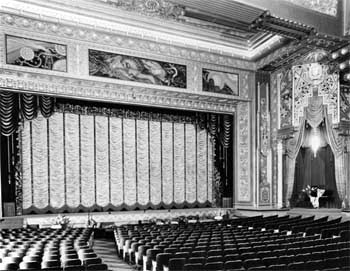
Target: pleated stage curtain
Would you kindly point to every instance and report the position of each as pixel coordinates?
(74, 162)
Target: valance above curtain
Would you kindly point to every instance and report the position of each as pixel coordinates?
(15, 106)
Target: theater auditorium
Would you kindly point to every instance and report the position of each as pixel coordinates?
(174, 135)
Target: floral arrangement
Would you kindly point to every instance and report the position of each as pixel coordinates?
(61, 220)
(310, 191)
(314, 194)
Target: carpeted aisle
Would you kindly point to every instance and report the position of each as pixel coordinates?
(106, 250)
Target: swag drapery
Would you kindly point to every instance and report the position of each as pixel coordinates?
(314, 115)
(16, 106)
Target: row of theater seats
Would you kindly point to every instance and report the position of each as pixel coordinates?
(48, 249)
(237, 244)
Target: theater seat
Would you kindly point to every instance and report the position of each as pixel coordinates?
(215, 266)
(97, 267)
(8, 266)
(177, 264)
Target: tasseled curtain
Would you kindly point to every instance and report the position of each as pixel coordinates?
(16, 106)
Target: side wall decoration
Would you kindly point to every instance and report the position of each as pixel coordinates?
(310, 79)
(36, 54)
(220, 82)
(285, 90)
(131, 68)
(345, 104)
(80, 159)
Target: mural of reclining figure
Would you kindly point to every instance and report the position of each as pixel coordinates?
(129, 68)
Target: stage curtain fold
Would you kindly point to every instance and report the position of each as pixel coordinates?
(102, 161)
(72, 157)
(116, 161)
(202, 166)
(210, 153)
(142, 161)
(179, 163)
(87, 141)
(190, 164)
(129, 162)
(167, 162)
(57, 171)
(40, 162)
(26, 165)
(155, 163)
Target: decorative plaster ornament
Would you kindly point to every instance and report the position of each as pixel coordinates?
(315, 73)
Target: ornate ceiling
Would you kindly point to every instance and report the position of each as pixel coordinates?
(182, 22)
(226, 27)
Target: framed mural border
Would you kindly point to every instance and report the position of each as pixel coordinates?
(145, 54)
(45, 40)
(216, 69)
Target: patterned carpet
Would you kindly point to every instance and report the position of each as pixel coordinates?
(105, 249)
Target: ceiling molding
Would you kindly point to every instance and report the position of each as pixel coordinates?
(176, 30)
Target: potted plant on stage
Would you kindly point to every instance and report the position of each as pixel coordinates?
(61, 222)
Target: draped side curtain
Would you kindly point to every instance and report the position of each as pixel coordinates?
(14, 106)
(314, 115)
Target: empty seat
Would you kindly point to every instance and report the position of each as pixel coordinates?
(177, 264)
(162, 259)
(72, 262)
(216, 266)
(74, 268)
(216, 252)
(252, 263)
(50, 264)
(314, 265)
(296, 266)
(97, 267)
(198, 253)
(193, 266)
(8, 266)
(200, 260)
(29, 265)
(278, 267)
(270, 261)
(238, 264)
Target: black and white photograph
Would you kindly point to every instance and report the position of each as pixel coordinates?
(174, 135)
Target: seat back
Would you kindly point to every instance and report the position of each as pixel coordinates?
(177, 264)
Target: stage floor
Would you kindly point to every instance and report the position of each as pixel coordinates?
(132, 217)
(123, 217)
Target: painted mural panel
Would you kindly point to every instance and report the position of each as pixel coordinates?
(131, 68)
(36, 54)
(345, 104)
(220, 82)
